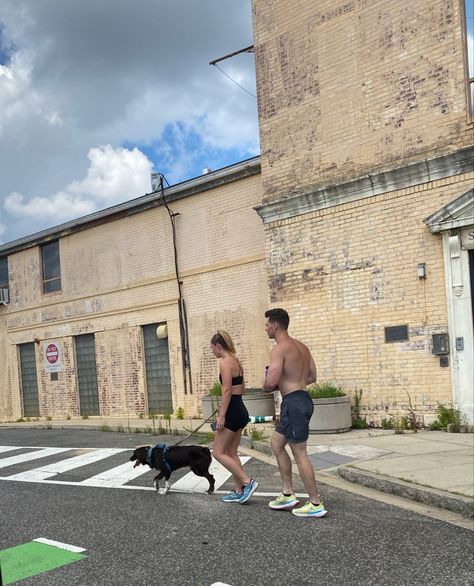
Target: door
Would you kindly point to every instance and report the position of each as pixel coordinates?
(157, 368)
(87, 374)
(29, 380)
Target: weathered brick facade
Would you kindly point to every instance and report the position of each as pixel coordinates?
(365, 132)
(120, 275)
(366, 172)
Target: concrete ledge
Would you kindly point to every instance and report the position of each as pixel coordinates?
(429, 496)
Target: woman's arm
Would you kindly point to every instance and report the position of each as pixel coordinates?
(225, 367)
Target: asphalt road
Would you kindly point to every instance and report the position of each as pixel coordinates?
(137, 537)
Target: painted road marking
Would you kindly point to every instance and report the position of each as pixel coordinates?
(192, 483)
(66, 465)
(9, 448)
(115, 477)
(42, 453)
(35, 557)
(59, 544)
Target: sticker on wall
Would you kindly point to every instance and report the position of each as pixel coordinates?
(52, 357)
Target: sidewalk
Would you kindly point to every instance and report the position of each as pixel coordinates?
(433, 467)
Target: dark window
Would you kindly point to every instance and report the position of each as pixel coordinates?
(4, 273)
(469, 12)
(396, 333)
(4, 291)
(51, 267)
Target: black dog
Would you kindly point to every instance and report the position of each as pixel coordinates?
(166, 460)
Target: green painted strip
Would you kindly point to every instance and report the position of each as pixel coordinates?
(33, 558)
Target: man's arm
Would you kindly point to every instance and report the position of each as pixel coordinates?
(275, 369)
(312, 374)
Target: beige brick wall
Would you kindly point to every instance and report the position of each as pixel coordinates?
(347, 272)
(119, 276)
(351, 87)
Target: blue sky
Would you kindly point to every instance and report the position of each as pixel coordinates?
(97, 95)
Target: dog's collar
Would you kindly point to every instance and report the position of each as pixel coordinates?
(149, 452)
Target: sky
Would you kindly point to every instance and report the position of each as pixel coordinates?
(95, 96)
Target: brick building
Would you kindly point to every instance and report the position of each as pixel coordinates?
(92, 326)
(366, 134)
(364, 190)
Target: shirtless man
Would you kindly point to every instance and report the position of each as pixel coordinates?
(291, 368)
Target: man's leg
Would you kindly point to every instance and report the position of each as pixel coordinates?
(278, 443)
(305, 468)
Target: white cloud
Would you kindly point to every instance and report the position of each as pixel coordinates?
(74, 75)
(114, 175)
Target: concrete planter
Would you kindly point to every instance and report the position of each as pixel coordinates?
(258, 403)
(209, 405)
(331, 415)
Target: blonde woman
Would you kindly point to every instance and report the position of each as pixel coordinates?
(232, 418)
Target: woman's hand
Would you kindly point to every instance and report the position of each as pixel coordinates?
(220, 422)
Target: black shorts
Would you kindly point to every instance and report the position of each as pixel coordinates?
(295, 413)
(236, 416)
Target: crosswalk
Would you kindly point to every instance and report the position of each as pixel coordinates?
(97, 467)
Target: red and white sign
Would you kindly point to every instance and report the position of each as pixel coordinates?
(52, 357)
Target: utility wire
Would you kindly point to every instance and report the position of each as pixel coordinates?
(233, 80)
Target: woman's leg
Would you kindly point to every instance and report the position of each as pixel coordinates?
(225, 452)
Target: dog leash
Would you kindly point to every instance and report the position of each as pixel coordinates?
(197, 429)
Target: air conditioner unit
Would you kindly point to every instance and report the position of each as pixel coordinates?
(4, 296)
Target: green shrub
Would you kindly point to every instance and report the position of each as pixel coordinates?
(447, 416)
(325, 390)
(179, 413)
(215, 390)
(387, 423)
(256, 434)
(359, 423)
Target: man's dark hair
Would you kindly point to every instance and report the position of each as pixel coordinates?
(279, 316)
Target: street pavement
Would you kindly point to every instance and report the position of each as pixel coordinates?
(135, 536)
(431, 467)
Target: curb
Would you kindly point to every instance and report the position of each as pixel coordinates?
(428, 496)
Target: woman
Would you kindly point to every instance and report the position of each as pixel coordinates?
(232, 418)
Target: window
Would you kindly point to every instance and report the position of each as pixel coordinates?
(51, 267)
(4, 296)
(469, 12)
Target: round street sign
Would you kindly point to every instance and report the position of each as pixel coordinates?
(52, 353)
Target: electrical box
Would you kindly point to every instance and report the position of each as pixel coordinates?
(459, 344)
(440, 344)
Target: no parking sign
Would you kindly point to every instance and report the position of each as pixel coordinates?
(51, 357)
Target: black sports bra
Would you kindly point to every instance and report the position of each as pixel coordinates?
(236, 380)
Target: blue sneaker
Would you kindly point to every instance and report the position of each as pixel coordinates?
(232, 497)
(247, 491)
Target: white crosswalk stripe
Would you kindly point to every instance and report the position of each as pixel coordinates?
(41, 453)
(66, 465)
(116, 477)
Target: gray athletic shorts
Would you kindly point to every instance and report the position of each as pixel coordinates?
(295, 413)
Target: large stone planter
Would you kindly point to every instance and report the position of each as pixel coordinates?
(258, 403)
(209, 405)
(331, 415)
